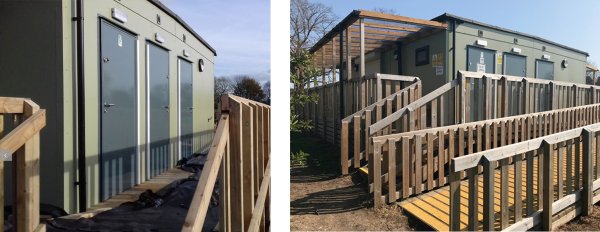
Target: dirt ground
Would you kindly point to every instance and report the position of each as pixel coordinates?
(321, 199)
(587, 223)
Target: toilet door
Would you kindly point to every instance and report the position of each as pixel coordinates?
(118, 110)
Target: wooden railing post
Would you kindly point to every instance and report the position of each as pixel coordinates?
(525, 97)
(376, 174)
(344, 148)
(587, 171)
(504, 96)
(548, 186)
(487, 98)
(454, 179)
(463, 96)
(27, 180)
(356, 142)
(488, 195)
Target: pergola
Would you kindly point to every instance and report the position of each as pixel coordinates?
(362, 32)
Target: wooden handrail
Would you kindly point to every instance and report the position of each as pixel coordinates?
(438, 146)
(259, 206)
(22, 144)
(199, 205)
(239, 158)
(572, 197)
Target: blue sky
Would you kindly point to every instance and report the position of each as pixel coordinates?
(571, 23)
(238, 29)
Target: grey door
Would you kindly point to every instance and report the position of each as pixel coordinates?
(118, 110)
(186, 107)
(158, 67)
(480, 60)
(515, 65)
(544, 70)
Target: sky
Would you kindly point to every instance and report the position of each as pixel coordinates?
(571, 23)
(238, 29)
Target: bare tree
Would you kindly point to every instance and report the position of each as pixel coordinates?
(223, 85)
(385, 10)
(308, 23)
(267, 90)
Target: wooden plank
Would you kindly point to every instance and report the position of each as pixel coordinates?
(367, 135)
(405, 168)
(454, 212)
(559, 169)
(473, 199)
(587, 155)
(261, 200)
(441, 159)
(344, 148)
(376, 163)
(356, 140)
(194, 219)
(392, 170)
(530, 185)
(247, 162)
(434, 117)
(548, 199)
(22, 133)
(237, 184)
(397, 18)
(11, 105)
(418, 164)
(430, 168)
(518, 203)
(488, 195)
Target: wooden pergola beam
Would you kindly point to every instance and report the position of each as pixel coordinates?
(398, 18)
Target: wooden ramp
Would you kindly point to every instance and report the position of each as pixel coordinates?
(433, 208)
(155, 184)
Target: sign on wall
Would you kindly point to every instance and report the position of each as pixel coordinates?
(437, 62)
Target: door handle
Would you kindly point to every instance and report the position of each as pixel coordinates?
(107, 105)
(166, 107)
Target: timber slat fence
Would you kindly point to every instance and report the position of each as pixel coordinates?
(477, 96)
(21, 141)
(240, 159)
(358, 94)
(561, 195)
(413, 162)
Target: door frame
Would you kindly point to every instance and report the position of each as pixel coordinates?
(137, 172)
(179, 59)
(513, 54)
(148, 126)
(491, 50)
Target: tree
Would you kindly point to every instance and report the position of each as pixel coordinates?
(247, 87)
(223, 85)
(267, 90)
(308, 23)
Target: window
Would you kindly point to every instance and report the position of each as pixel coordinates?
(422, 56)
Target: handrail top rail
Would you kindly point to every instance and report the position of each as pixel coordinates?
(507, 151)
(245, 101)
(448, 86)
(410, 134)
(382, 76)
(372, 106)
(479, 75)
(16, 138)
(412, 106)
(12, 105)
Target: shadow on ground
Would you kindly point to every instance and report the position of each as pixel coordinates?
(321, 160)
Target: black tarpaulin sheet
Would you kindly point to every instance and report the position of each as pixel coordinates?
(143, 215)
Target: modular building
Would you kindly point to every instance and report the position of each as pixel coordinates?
(127, 85)
(434, 50)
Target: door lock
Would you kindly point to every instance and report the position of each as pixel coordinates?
(106, 60)
(166, 107)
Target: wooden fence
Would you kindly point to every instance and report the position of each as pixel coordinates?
(412, 162)
(20, 140)
(480, 96)
(358, 94)
(564, 189)
(240, 159)
(354, 127)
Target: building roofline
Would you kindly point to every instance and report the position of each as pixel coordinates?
(183, 23)
(446, 16)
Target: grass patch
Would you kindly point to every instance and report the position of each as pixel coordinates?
(309, 151)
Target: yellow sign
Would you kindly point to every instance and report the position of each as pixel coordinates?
(499, 58)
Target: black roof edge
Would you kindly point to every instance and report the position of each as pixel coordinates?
(348, 19)
(183, 23)
(446, 16)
